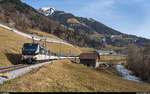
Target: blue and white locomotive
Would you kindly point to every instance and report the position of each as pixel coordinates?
(34, 52)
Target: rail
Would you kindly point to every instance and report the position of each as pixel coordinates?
(11, 68)
(19, 66)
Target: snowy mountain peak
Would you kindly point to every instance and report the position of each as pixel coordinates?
(47, 11)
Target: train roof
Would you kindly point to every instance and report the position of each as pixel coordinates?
(32, 43)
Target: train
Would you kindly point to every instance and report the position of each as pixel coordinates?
(34, 52)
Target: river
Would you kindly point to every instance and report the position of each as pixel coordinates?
(127, 74)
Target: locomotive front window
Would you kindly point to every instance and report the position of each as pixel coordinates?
(30, 47)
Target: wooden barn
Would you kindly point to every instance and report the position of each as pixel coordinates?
(90, 59)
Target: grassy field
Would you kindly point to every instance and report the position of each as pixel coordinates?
(44, 34)
(110, 47)
(85, 50)
(114, 59)
(62, 75)
(63, 49)
(65, 76)
(56, 47)
(11, 45)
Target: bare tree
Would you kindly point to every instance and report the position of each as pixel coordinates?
(139, 61)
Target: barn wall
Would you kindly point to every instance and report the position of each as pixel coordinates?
(97, 63)
(88, 62)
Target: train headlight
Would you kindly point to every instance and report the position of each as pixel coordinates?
(34, 57)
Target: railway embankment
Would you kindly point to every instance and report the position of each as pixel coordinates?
(11, 46)
(16, 71)
(65, 76)
(36, 37)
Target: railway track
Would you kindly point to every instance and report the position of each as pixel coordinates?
(11, 68)
(19, 66)
(9, 73)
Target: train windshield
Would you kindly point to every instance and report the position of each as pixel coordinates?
(30, 47)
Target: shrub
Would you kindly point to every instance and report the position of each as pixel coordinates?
(139, 61)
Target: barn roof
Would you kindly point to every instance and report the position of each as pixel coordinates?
(105, 51)
(89, 56)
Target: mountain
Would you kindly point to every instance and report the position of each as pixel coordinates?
(23, 17)
(47, 11)
(95, 29)
(84, 32)
(88, 25)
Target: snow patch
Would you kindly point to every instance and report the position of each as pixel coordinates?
(47, 11)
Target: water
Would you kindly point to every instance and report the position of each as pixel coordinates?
(127, 74)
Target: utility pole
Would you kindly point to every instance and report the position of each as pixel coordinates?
(70, 51)
(45, 42)
(60, 49)
(33, 39)
(43, 39)
(75, 60)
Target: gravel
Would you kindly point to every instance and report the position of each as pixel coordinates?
(19, 72)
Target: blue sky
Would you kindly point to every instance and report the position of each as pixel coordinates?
(127, 16)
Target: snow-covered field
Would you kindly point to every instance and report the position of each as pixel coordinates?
(35, 36)
(127, 74)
